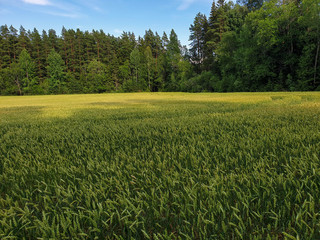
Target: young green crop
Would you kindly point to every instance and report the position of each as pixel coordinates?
(160, 166)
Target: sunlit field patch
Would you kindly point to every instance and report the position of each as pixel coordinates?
(160, 166)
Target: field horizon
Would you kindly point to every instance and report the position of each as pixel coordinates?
(79, 100)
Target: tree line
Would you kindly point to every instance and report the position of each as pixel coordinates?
(257, 46)
(248, 46)
(89, 62)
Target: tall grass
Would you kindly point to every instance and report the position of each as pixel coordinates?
(160, 166)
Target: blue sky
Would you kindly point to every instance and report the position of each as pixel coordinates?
(112, 16)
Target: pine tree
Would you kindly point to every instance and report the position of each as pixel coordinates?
(174, 44)
(53, 40)
(80, 55)
(198, 31)
(5, 47)
(36, 52)
(173, 56)
(64, 55)
(98, 41)
(149, 65)
(46, 46)
(217, 25)
(89, 46)
(164, 41)
(23, 40)
(127, 42)
(13, 41)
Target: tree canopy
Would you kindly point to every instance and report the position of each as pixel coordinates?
(248, 46)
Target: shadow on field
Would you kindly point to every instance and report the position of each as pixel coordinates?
(211, 106)
(156, 109)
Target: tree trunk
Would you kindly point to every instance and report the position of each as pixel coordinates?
(198, 49)
(157, 61)
(79, 46)
(27, 79)
(316, 63)
(18, 84)
(149, 79)
(72, 55)
(136, 75)
(98, 50)
(39, 66)
(14, 53)
(9, 55)
(65, 52)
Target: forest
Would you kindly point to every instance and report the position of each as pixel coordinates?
(248, 46)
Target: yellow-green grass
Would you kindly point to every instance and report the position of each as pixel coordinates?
(66, 105)
(160, 166)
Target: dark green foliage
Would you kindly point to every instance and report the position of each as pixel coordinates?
(200, 83)
(128, 65)
(275, 47)
(26, 67)
(198, 31)
(253, 45)
(56, 72)
(252, 5)
(5, 47)
(97, 79)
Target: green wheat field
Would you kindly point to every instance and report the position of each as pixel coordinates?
(160, 166)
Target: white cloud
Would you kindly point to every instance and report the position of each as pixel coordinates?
(37, 2)
(185, 4)
(97, 9)
(4, 11)
(67, 15)
(58, 8)
(93, 4)
(118, 31)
